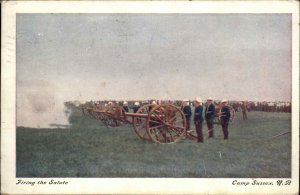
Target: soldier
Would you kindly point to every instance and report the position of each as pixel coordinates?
(225, 116)
(125, 106)
(187, 112)
(136, 107)
(153, 104)
(198, 119)
(244, 109)
(209, 116)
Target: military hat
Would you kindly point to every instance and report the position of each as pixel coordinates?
(223, 101)
(185, 100)
(137, 103)
(198, 99)
(210, 98)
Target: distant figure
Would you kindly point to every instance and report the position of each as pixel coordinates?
(145, 102)
(186, 109)
(209, 116)
(136, 107)
(244, 110)
(198, 119)
(153, 104)
(225, 117)
(110, 104)
(125, 106)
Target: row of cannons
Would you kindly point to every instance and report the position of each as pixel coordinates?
(163, 123)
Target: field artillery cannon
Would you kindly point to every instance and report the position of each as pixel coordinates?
(163, 123)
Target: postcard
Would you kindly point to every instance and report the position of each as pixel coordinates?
(142, 97)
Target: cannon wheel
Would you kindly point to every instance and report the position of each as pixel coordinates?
(140, 124)
(98, 115)
(166, 124)
(112, 115)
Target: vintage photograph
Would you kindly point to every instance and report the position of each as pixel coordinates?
(153, 95)
(134, 97)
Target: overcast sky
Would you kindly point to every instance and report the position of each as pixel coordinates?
(144, 56)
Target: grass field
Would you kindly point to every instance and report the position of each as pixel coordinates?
(89, 149)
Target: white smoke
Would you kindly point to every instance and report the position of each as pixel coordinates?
(40, 105)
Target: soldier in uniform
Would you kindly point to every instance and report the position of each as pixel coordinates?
(244, 109)
(153, 104)
(209, 116)
(125, 106)
(186, 109)
(198, 118)
(136, 107)
(225, 116)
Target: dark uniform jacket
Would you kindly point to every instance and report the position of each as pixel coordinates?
(187, 111)
(210, 112)
(225, 114)
(126, 108)
(135, 108)
(198, 113)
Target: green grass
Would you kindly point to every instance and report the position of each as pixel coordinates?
(89, 149)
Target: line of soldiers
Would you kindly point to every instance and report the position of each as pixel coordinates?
(262, 106)
(136, 106)
(271, 106)
(239, 106)
(209, 116)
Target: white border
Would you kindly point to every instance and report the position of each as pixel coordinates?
(130, 185)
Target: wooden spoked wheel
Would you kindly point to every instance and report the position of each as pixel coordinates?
(99, 116)
(166, 124)
(112, 116)
(140, 123)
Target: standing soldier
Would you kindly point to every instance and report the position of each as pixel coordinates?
(244, 109)
(209, 116)
(125, 106)
(187, 112)
(225, 116)
(153, 104)
(198, 118)
(136, 107)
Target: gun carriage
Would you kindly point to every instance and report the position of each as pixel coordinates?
(163, 123)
